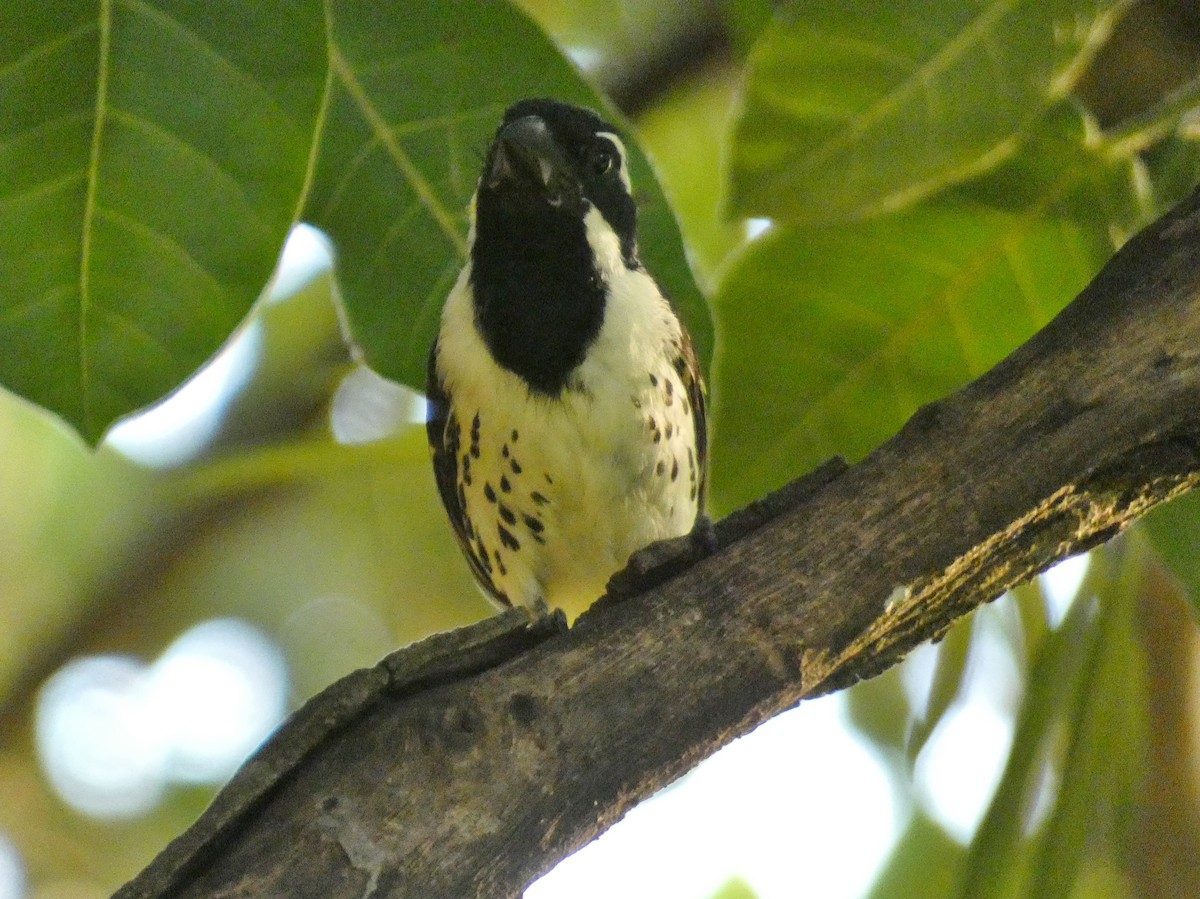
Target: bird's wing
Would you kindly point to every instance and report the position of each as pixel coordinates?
(688, 368)
(445, 443)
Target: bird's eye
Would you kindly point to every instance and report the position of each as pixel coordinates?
(602, 160)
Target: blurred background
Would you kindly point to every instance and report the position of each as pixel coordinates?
(168, 597)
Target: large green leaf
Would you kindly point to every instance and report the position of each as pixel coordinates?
(151, 156)
(413, 106)
(154, 154)
(832, 338)
(857, 108)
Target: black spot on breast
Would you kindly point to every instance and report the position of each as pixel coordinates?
(507, 514)
(653, 380)
(515, 435)
(674, 469)
(504, 451)
(516, 466)
(661, 467)
(532, 523)
(549, 480)
(538, 498)
(475, 436)
(507, 539)
(505, 486)
(670, 430)
(500, 563)
(670, 388)
(489, 492)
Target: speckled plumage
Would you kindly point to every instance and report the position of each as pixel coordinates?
(566, 416)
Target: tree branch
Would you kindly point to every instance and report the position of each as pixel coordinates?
(469, 764)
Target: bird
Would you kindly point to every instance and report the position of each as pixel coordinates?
(565, 403)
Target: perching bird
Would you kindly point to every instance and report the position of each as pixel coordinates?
(566, 407)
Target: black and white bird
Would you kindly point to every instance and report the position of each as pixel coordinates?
(566, 406)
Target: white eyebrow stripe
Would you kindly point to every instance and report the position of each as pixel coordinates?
(620, 145)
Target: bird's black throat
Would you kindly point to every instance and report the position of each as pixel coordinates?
(539, 300)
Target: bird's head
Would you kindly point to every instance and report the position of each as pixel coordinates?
(549, 165)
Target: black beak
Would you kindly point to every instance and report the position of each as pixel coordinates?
(525, 152)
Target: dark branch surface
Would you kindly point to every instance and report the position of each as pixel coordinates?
(469, 764)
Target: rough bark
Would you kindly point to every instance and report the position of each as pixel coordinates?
(469, 764)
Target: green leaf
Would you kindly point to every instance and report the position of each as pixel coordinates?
(921, 864)
(879, 709)
(1067, 169)
(66, 513)
(151, 157)
(1106, 756)
(684, 132)
(855, 109)
(413, 106)
(1168, 137)
(952, 655)
(998, 856)
(1174, 165)
(1174, 531)
(154, 155)
(833, 338)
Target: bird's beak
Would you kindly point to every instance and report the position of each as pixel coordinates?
(525, 152)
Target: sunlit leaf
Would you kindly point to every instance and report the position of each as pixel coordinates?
(412, 110)
(151, 156)
(833, 338)
(853, 109)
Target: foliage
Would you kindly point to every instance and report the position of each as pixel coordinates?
(938, 186)
(156, 156)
